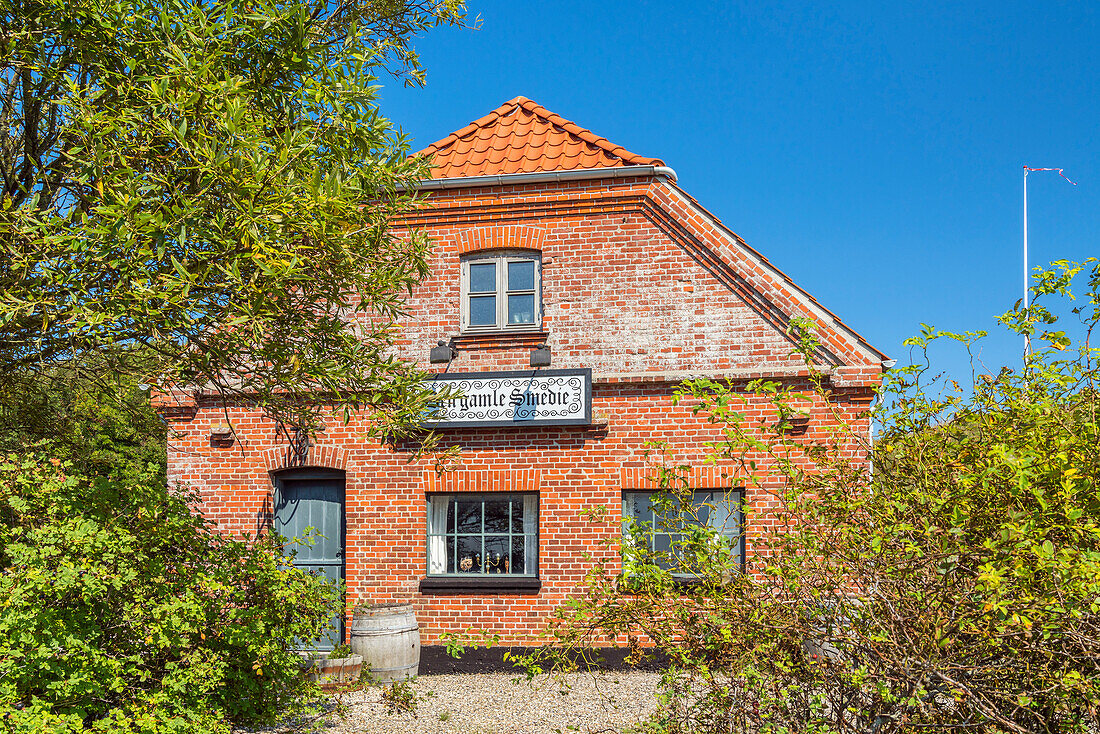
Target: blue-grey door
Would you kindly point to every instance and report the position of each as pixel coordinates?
(309, 513)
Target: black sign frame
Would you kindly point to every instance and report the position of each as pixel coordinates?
(585, 373)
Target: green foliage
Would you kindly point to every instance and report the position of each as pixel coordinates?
(81, 412)
(213, 182)
(340, 651)
(954, 588)
(195, 195)
(123, 611)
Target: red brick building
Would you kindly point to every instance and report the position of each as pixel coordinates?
(551, 244)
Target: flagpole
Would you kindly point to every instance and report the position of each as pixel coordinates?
(1027, 280)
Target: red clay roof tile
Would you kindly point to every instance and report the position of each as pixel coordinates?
(521, 136)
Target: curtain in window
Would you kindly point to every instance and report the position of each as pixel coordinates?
(530, 532)
(437, 526)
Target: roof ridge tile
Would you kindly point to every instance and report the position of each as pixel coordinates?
(547, 140)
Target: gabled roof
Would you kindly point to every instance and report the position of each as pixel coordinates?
(521, 136)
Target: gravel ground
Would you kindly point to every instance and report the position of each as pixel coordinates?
(491, 703)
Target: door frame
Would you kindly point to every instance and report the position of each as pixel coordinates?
(280, 478)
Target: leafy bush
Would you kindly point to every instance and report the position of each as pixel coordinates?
(954, 588)
(124, 611)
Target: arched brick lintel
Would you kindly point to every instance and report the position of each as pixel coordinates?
(710, 476)
(320, 457)
(506, 237)
(500, 480)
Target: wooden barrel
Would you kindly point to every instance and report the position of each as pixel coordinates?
(388, 638)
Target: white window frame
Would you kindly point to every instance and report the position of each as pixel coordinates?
(501, 258)
(736, 517)
(440, 566)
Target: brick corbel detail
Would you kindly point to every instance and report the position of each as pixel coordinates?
(320, 457)
(504, 480)
(510, 237)
(696, 477)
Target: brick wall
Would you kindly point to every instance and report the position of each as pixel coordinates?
(572, 468)
(640, 285)
(636, 278)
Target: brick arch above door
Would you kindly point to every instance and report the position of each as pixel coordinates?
(321, 457)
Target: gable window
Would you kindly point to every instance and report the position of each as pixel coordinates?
(660, 521)
(490, 534)
(501, 291)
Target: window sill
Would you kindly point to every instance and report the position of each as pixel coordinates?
(499, 339)
(479, 585)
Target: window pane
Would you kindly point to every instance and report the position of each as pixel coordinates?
(662, 543)
(517, 516)
(521, 276)
(451, 555)
(496, 554)
(518, 556)
(640, 510)
(521, 309)
(668, 547)
(483, 277)
(450, 517)
(483, 310)
(469, 516)
(669, 513)
(724, 516)
(496, 516)
(703, 507)
(469, 554)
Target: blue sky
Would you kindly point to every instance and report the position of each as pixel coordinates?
(872, 151)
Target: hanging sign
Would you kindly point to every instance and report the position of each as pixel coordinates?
(526, 398)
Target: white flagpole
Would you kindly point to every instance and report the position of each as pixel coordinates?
(1027, 276)
(1027, 280)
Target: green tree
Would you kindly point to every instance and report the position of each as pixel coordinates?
(194, 195)
(210, 183)
(954, 588)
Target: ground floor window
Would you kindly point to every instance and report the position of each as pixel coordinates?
(662, 520)
(483, 534)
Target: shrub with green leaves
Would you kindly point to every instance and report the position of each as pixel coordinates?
(123, 611)
(956, 587)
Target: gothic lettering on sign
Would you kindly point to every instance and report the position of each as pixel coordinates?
(528, 398)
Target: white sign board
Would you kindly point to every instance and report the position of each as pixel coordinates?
(533, 398)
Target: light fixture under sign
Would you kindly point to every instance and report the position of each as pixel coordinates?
(540, 356)
(442, 353)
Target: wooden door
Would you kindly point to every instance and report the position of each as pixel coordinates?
(309, 513)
